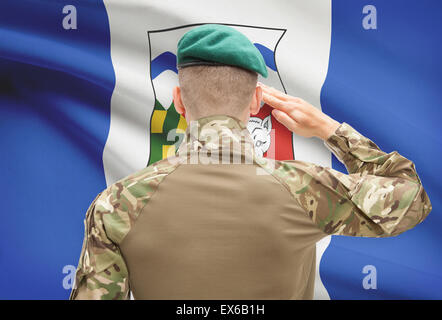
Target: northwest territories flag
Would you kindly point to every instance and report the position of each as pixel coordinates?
(85, 100)
(163, 74)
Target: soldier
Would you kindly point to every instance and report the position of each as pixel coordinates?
(192, 226)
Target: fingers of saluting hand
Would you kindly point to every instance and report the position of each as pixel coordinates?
(285, 119)
(274, 92)
(276, 103)
(278, 94)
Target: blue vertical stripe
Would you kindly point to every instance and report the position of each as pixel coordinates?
(55, 90)
(386, 83)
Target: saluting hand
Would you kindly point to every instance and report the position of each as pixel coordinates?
(298, 115)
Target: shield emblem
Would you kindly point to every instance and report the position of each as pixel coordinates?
(271, 138)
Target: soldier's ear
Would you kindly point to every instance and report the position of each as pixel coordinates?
(177, 102)
(255, 104)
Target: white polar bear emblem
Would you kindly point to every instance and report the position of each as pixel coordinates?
(260, 131)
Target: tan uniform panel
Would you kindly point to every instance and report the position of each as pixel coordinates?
(221, 232)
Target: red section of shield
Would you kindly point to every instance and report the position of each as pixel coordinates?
(282, 137)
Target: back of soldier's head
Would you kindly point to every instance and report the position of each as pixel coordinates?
(208, 90)
(218, 68)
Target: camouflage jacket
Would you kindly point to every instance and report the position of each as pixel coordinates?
(381, 196)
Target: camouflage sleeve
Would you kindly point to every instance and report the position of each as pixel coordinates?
(101, 272)
(381, 196)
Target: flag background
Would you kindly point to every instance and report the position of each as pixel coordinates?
(56, 93)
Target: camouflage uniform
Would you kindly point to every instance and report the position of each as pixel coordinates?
(208, 242)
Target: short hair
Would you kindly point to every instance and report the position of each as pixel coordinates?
(210, 90)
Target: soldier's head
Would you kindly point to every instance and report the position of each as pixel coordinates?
(218, 70)
(210, 90)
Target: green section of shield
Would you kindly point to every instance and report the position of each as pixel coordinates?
(158, 140)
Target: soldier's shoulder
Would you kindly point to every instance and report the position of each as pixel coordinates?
(154, 171)
(139, 185)
(120, 203)
(287, 167)
(298, 175)
(296, 170)
(282, 170)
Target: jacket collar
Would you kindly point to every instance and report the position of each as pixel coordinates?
(218, 136)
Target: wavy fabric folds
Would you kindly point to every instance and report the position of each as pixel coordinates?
(56, 87)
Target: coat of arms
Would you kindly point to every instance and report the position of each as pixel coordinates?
(271, 138)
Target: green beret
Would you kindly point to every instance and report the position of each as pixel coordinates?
(215, 44)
